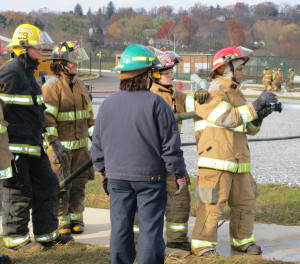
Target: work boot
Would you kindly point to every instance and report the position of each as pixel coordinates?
(61, 240)
(64, 230)
(205, 252)
(249, 248)
(29, 247)
(4, 259)
(77, 228)
(180, 245)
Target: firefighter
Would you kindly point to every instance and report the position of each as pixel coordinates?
(136, 156)
(33, 186)
(267, 79)
(224, 158)
(291, 80)
(276, 78)
(69, 121)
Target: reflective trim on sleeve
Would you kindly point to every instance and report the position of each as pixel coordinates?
(223, 165)
(51, 109)
(75, 144)
(47, 237)
(52, 131)
(21, 99)
(91, 130)
(90, 106)
(12, 242)
(6, 173)
(71, 116)
(200, 125)
(75, 217)
(3, 128)
(252, 127)
(136, 229)
(180, 128)
(240, 242)
(25, 149)
(190, 103)
(245, 113)
(176, 227)
(218, 111)
(241, 128)
(195, 243)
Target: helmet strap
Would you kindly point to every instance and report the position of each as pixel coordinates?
(150, 75)
(232, 70)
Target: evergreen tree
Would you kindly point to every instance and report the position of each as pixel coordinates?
(78, 10)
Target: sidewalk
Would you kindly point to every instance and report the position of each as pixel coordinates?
(277, 242)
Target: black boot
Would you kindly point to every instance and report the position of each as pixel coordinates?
(180, 245)
(4, 259)
(61, 240)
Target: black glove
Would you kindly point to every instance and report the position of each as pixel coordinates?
(264, 99)
(104, 183)
(58, 150)
(262, 113)
(201, 95)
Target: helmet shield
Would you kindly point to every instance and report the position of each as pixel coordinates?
(45, 39)
(78, 55)
(164, 59)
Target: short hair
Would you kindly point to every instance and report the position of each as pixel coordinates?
(137, 83)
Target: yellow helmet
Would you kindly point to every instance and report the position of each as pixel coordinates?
(27, 35)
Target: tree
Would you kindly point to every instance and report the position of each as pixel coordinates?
(235, 33)
(89, 12)
(110, 9)
(78, 10)
(159, 20)
(137, 26)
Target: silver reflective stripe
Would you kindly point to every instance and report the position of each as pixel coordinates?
(200, 125)
(91, 130)
(202, 243)
(3, 128)
(176, 227)
(179, 128)
(136, 229)
(76, 144)
(51, 109)
(48, 237)
(241, 128)
(71, 116)
(21, 99)
(15, 241)
(245, 113)
(6, 173)
(25, 149)
(76, 216)
(240, 242)
(190, 103)
(224, 165)
(218, 111)
(52, 131)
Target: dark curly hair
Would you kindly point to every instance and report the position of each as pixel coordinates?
(137, 83)
(58, 66)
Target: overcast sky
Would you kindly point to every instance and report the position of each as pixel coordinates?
(67, 5)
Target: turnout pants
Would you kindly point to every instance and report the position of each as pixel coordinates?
(71, 197)
(33, 186)
(149, 198)
(215, 188)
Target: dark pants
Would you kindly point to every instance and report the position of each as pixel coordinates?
(33, 186)
(149, 198)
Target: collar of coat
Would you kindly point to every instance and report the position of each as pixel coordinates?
(227, 83)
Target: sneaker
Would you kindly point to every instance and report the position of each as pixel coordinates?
(180, 245)
(61, 240)
(77, 228)
(29, 247)
(64, 230)
(4, 259)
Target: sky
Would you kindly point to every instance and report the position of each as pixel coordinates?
(68, 5)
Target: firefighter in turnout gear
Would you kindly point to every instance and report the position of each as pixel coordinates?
(291, 80)
(267, 79)
(69, 122)
(224, 158)
(33, 185)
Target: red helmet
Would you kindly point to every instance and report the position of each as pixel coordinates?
(279, 69)
(228, 54)
(164, 59)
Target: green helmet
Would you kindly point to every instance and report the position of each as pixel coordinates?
(135, 57)
(68, 51)
(291, 69)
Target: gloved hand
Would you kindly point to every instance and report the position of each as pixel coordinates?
(103, 180)
(181, 185)
(58, 150)
(201, 95)
(262, 113)
(264, 99)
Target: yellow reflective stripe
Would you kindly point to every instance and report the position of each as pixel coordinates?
(195, 243)
(6, 173)
(240, 242)
(75, 144)
(223, 165)
(218, 111)
(51, 109)
(241, 128)
(21, 99)
(47, 237)
(142, 58)
(136, 229)
(190, 103)
(76, 216)
(91, 130)
(25, 149)
(176, 227)
(71, 116)
(252, 127)
(3, 128)
(200, 125)
(52, 131)
(15, 241)
(245, 113)
(179, 128)
(64, 220)
(90, 106)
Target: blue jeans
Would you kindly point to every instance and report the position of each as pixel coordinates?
(149, 199)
